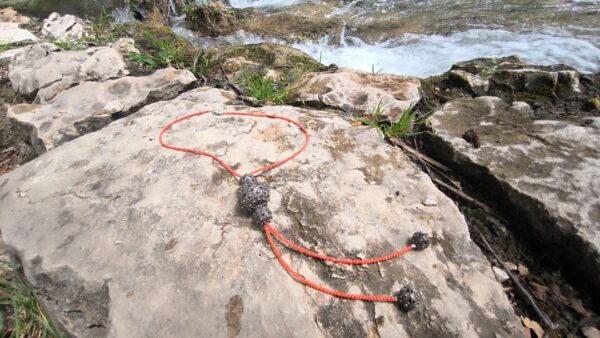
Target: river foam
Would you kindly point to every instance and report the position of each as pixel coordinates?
(425, 55)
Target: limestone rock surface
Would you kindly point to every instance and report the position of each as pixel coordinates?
(357, 92)
(8, 55)
(124, 46)
(90, 106)
(120, 237)
(8, 14)
(45, 71)
(11, 33)
(65, 27)
(547, 169)
(513, 75)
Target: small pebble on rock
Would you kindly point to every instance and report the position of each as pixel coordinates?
(511, 266)
(523, 270)
(501, 275)
(430, 202)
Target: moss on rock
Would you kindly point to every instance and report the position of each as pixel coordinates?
(290, 28)
(212, 19)
(284, 64)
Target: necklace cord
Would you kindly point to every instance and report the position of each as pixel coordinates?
(270, 232)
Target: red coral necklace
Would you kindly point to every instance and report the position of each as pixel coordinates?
(253, 198)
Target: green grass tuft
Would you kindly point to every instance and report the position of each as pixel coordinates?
(164, 52)
(406, 126)
(6, 46)
(263, 88)
(24, 317)
(104, 29)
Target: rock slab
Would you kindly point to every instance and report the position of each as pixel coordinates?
(65, 27)
(44, 70)
(512, 75)
(120, 237)
(90, 106)
(548, 170)
(11, 33)
(357, 92)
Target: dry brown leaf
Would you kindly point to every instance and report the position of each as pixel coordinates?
(523, 270)
(511, 266)
(591, 332)
(577, 305)
(596, 103)
(534, 326)
(539, 291)
(356, 123)
(558, 294)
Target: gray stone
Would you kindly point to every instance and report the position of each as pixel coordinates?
(513, 75)
(45, 70)
(124, 46)
(65, 27)
(357, 92)
(8, 55)
(150, 238)
(548, 171)
(8, 14)
(92, 105)
(474, 83)
(501, 275)
(282, 63)
(11, 33)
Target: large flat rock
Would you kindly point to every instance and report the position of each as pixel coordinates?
(90, 106)
(45, 71)
(121, 237)
(357, 92)
(548, 170)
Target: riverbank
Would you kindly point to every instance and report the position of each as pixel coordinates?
(267, 74)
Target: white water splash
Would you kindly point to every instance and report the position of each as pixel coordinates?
(122, 15)
(427, 55)
(262, 3)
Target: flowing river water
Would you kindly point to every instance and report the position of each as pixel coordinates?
(425, 37)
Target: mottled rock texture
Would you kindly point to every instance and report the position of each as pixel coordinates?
(513, 75)
(284, 64)
(547, 170)
(65, 27)
(90, 106)
(44, 71)
(11, 33)
(356, 92)
(120, 237)
(8, 14)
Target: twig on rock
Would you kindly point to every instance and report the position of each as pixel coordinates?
(418, 154)
(517, 283)
(250, 101)
(235, 88)
(468, 198)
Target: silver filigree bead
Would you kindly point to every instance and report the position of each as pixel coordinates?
(408, 298)
(253, 196)
(247, 179)
(420, 240)
(262, 215)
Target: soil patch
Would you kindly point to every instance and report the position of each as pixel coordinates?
(14, 151)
